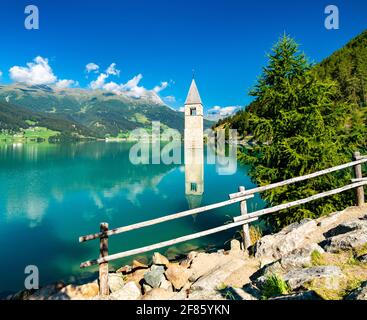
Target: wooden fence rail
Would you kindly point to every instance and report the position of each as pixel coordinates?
(243, 220)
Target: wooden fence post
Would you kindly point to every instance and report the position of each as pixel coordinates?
(358, 175)
(104, 289)
(245, 227)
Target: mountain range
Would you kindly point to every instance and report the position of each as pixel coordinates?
(89, 113)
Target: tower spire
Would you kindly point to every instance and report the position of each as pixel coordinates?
(193, 96)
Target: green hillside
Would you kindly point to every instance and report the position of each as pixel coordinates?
(16, 119)
(95, 113)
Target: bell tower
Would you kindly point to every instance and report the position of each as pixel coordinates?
(194, 124)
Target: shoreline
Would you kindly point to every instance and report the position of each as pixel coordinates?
(303, 258)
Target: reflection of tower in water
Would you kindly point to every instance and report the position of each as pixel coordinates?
(194, 176)
(194, 147)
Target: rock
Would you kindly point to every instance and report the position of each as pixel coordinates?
(21, 295)
(206, 295)
(158, 268)
(158, 294)
(181, 295)
(217, 276)
(328, 221)
(138, 265)
(346, 241)
(359, 293)
(220, 251)
(296, 278)
(235, 247)
(45, 292)
(303, 295)
(290, 238)
(165, 284)
(146, 288)
(137, 276)
(124, 269)
(204, 263)
(192, 255)
(356, 224)
(362, 258)
(300, 257)
(73, 292)
(155, 276)
(178, 275)
(130, 291)
(248, 292)
(159, 259)
(186, 263)
(115, 281)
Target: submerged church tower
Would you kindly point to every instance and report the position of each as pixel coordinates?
(194, 147)
(194, 123)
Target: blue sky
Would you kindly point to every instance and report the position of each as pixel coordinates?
(225, 41)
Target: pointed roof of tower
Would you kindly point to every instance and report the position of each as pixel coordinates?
(193, 96)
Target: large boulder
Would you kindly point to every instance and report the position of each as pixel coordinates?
(204, 263)
(130, 291)
(296, 259)
(74, 292)
(45, 292)
(159, 259)
(300, 257)
(247, 292)
(298, 277)
(137, 276)
(273, 247)
(178, 275)
(359, 293)
(154, 276)
(165, 284)
(216, 278)
(346, 241)
(115, 281)
(158, 294)
(139, 265)
(303, 295)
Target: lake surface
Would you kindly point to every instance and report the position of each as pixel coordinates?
(50, 194)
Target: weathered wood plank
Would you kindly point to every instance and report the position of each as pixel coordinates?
(245, 227)
(299, 202)
(165, 243)
(298, 179)
(164, 219)
(104, 289)
(358, 174)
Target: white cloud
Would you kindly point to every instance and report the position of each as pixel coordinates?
(35, 73)
(217, 112)
(66, 83)
(39, 72)
(161, 87)
(111, 70)
(131, 88)
(182, 109)
(92, 67)
(100, 82)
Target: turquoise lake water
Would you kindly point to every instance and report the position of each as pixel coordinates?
(50, 194)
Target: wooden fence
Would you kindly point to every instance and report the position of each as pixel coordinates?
(240, 221)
